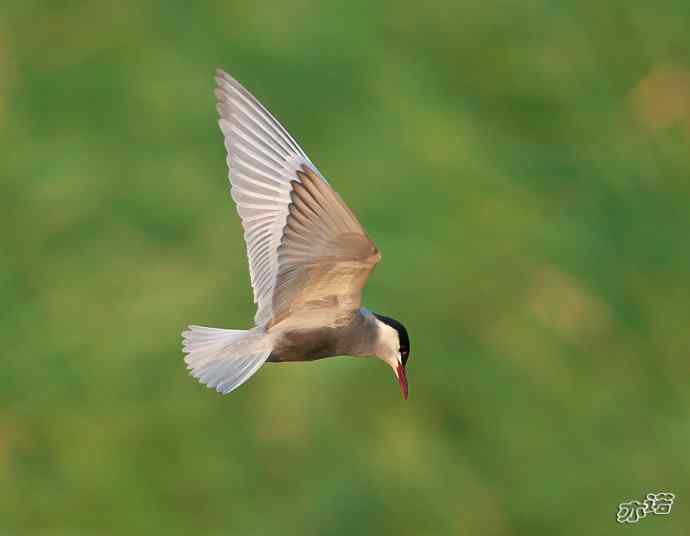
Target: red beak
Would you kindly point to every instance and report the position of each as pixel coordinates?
(402, 379)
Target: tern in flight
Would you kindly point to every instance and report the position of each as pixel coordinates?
(309, 259)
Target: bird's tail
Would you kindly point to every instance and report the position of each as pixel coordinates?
(224, 358)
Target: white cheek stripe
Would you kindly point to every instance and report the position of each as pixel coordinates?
(389, 344)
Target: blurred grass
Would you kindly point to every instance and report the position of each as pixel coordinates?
(524, 170)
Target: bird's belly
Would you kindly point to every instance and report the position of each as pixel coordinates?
(305, 345)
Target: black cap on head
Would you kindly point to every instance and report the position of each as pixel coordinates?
(402, 336)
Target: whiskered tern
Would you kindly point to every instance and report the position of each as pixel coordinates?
(309, 259)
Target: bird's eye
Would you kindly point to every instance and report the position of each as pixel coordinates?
(404, 354)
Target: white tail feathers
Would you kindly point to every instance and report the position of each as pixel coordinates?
(224, 358)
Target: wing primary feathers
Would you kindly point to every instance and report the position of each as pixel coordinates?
(303, 243)
(261, 112)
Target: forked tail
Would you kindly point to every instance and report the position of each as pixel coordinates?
(224, 358)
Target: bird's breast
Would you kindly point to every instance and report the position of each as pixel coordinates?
(306, 344)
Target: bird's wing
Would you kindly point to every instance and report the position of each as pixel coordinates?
(267, 168)
(325, 256)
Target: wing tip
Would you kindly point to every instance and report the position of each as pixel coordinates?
(220, 74)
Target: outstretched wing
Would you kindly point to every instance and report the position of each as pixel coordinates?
(262, 159)
(325, 257)
(319, 256)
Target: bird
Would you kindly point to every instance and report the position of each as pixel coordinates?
(309, 259)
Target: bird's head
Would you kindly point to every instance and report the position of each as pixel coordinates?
(393, 347)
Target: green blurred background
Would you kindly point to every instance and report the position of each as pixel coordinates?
(523, 166)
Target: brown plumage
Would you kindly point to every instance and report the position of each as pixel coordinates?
(309, 259)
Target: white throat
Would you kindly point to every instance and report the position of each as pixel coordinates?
(387, 344)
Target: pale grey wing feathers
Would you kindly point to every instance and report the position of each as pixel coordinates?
(262, 160)
(325, 257)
